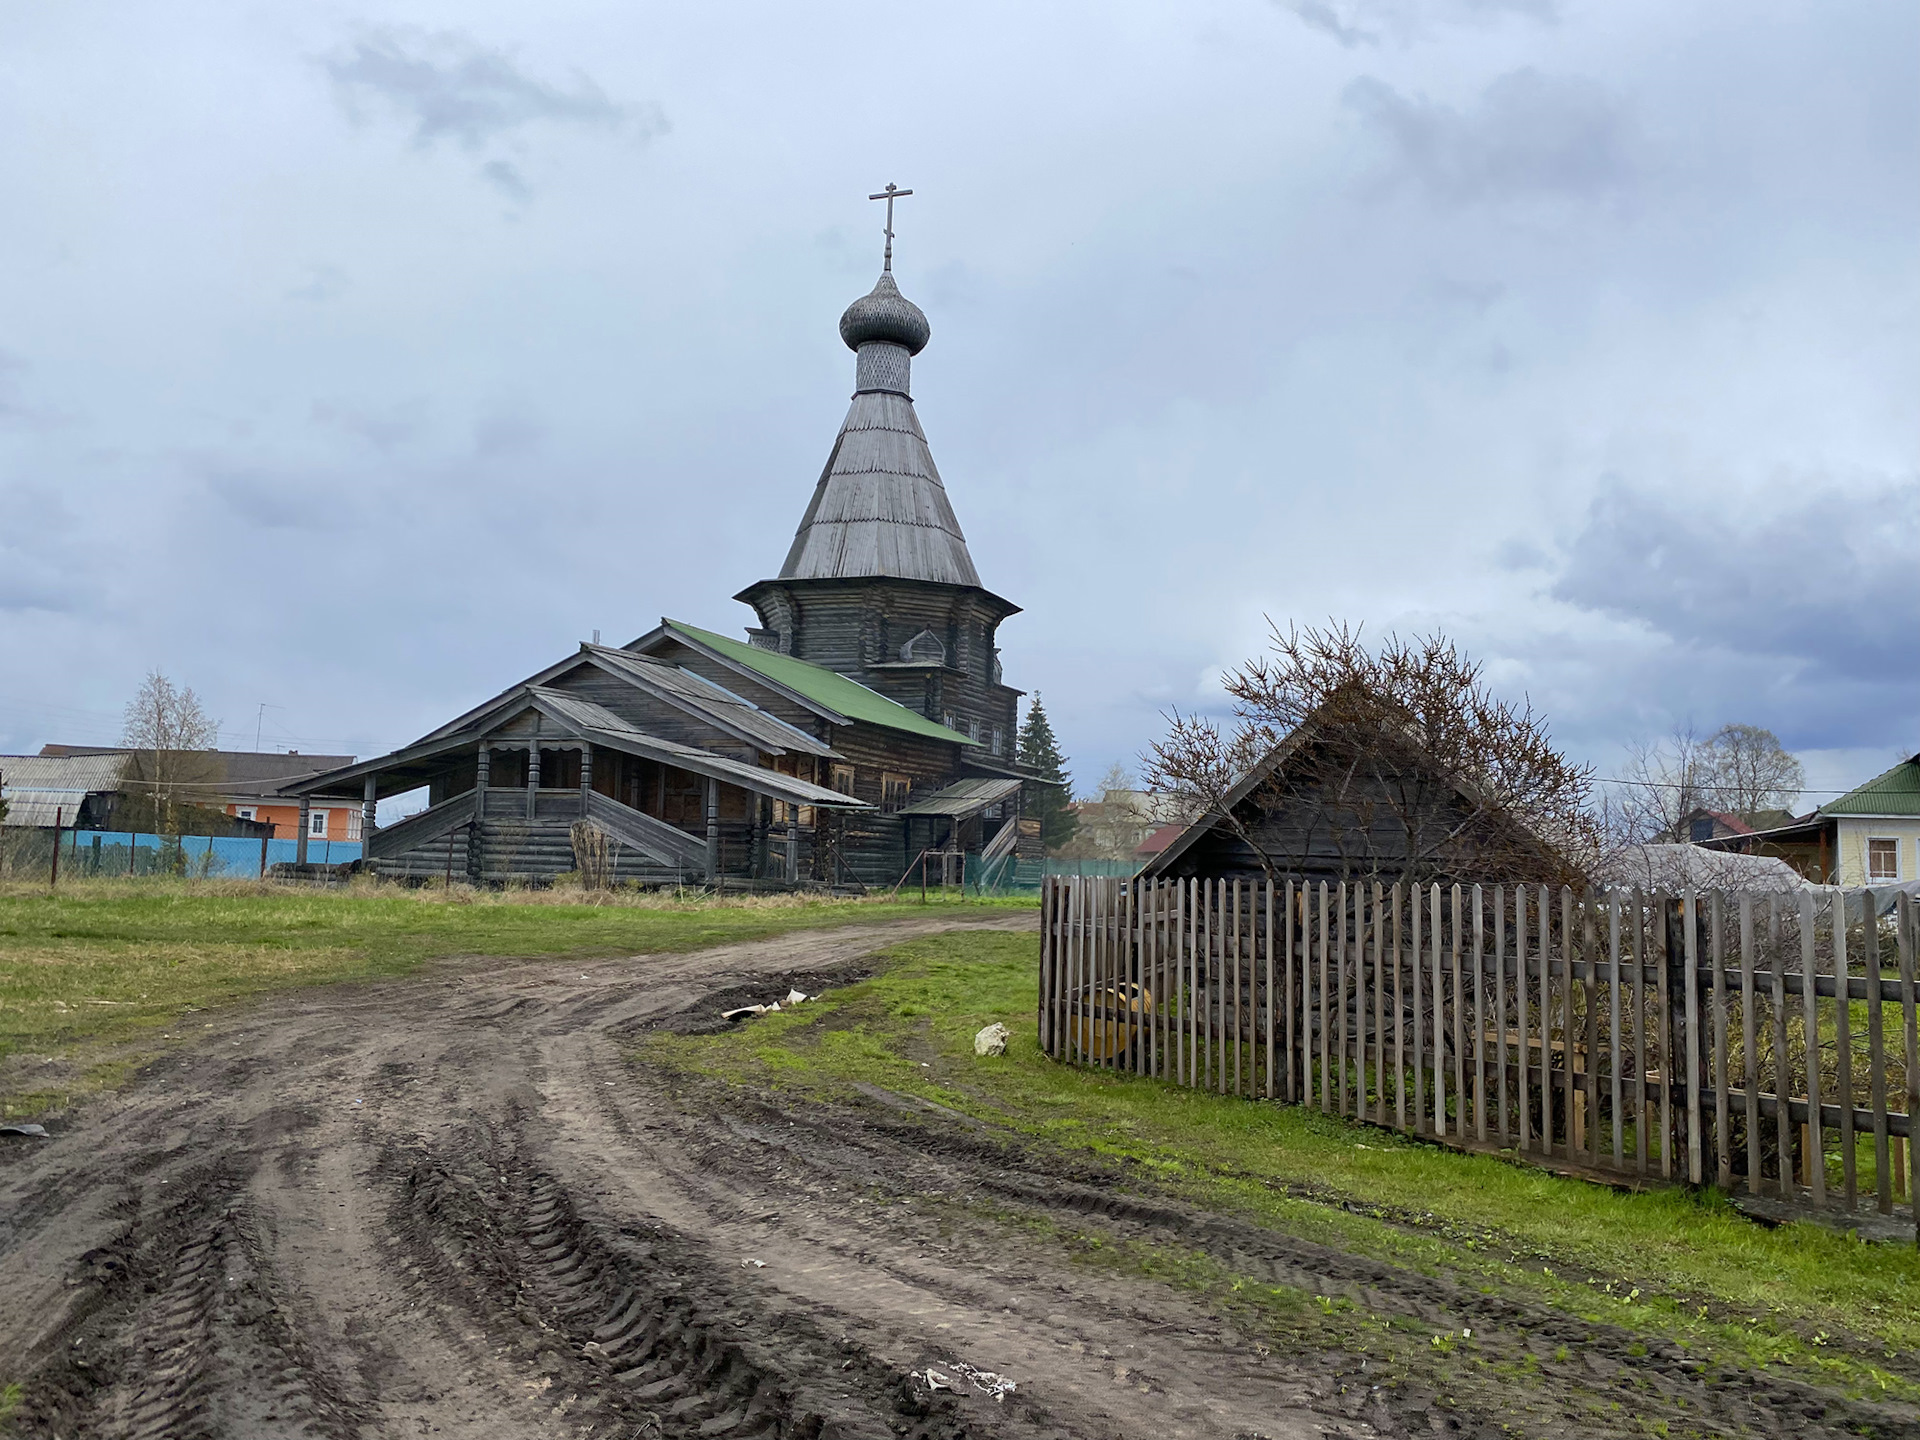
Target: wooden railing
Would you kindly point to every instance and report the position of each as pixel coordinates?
(1697, 1037)
(417, 829)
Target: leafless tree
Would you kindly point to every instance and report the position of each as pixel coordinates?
(1662, 783)
(1400, 764)
(1740, 770)
(172, 740)
(1753, 772)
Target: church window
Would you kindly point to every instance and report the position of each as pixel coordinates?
(996, 741)
(894, 790)
(843, 779)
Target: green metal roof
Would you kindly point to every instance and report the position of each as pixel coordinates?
(828, 687)
(1895, 793)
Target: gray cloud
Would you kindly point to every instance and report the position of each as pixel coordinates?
(1369, 22)
(323, 283)
(447, 86)
(1816, 601)
(269, 502)
(382, 429)
(507, 179)
(1529, 134)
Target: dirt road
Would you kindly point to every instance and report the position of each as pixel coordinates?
(448, 1206)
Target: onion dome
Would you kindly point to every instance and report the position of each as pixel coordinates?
(885, 315)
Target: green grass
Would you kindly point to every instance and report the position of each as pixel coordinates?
(101, 964)
(1683, 1266)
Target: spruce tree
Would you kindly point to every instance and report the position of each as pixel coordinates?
(1050, 794)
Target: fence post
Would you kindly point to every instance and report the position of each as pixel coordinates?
(53, 875)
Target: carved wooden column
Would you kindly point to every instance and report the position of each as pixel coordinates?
(369, 808)
(713, 830)
(306, 824)
(483, 771)
(533, 778)
(586, 778)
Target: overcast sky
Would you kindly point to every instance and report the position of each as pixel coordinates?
(359, 360)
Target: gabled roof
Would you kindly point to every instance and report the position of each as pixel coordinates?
(596, 722)
(243, 774)
(829, 694)
(584, 719)
(714, 705)
(40, 789)
(1894, 792)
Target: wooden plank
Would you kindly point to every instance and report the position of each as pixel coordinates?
(1907, 920)
(1216, 956)
(1340, 967)
(1640, 1126)
(1042, 1030)
(1571, 1133)
(1877, 1068)
(1076, 905)
(1239, 1007)
(1722, 1147)
(1749, 1043)
(1503, 1116)
(1479, 1016)
(1440, 1027)
(1665, 1005)
(1590, 948)
(1326, 1017)
(1782, 1074)
(1414, 898)
(1615, 1095)
(1191, 991)
(1545, 921)
(1454, 947)
(1272, 1010)
(1292, 1076)
(1379, 935)
(1843, 1053)
(1399, 1013)
(1353, 1008)
(1520, 1008)
(1816, 1159)
(1690, 918)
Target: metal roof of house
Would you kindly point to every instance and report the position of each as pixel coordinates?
(40, 789)
(244, 774)
(1894, 792)
(879, 507)
(846, 698)
(962, 798)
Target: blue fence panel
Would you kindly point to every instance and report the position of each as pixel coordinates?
(122, 852)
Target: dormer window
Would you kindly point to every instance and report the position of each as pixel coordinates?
(925, 648)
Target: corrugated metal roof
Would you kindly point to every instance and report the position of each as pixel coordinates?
(42, 789)
(825, 687)
(1896, 792)
(962, 798)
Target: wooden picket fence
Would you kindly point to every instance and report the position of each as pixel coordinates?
(1697, 1037)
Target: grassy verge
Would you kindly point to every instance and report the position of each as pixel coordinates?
(1672, 1265)
(87, 974)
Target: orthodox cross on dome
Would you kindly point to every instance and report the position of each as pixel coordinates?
(890, 194)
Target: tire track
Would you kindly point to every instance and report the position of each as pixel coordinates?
(642, 1327)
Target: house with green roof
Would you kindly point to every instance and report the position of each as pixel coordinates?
(1869, 836)
(862, 722)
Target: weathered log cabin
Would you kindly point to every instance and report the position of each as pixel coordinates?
(1360, 808)
(863, 720)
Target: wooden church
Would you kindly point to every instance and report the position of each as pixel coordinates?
(861, 723)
